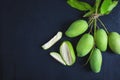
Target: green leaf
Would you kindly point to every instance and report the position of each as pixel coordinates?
(108, 6)
(82, 6)
(105, 5)
(112, 6)
(97, 4)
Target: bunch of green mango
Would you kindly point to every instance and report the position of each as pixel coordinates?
(93, 42)
(88, 42)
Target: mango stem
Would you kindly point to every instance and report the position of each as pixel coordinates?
(91, 26)
(103, 25)
(95, 25)
(89, 56)
(90, 23)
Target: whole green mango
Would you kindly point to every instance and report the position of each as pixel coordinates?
(96, 60)
(114, 42)
(101, 39)
(76, 28)
(84, 45)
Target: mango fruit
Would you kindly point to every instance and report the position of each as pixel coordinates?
(96, 60)
(114, 42)
(101, 39)
(52, 41)
(67, 53)
(76, 28)
(84, 45)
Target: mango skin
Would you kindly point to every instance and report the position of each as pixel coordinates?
(76, 28)
(96, 60)
(101, 39)
(85, 44)
(114, 42)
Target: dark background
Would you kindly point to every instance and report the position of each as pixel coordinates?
(27, 24)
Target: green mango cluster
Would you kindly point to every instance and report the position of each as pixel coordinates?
(93, 42)
(97, 39)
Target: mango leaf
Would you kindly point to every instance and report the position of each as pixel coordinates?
(82, 6)
(97, 4)
(104, 7)
(112, 6)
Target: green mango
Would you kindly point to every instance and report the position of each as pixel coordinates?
(67, 53)
(101, 39)
(114, 42)
(84, 45)
(76, 28)
(96, 60)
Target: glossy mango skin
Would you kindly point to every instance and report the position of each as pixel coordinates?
(76, 28)
(101, 39)
(114, 42)
(84, 45)
(96, 60)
